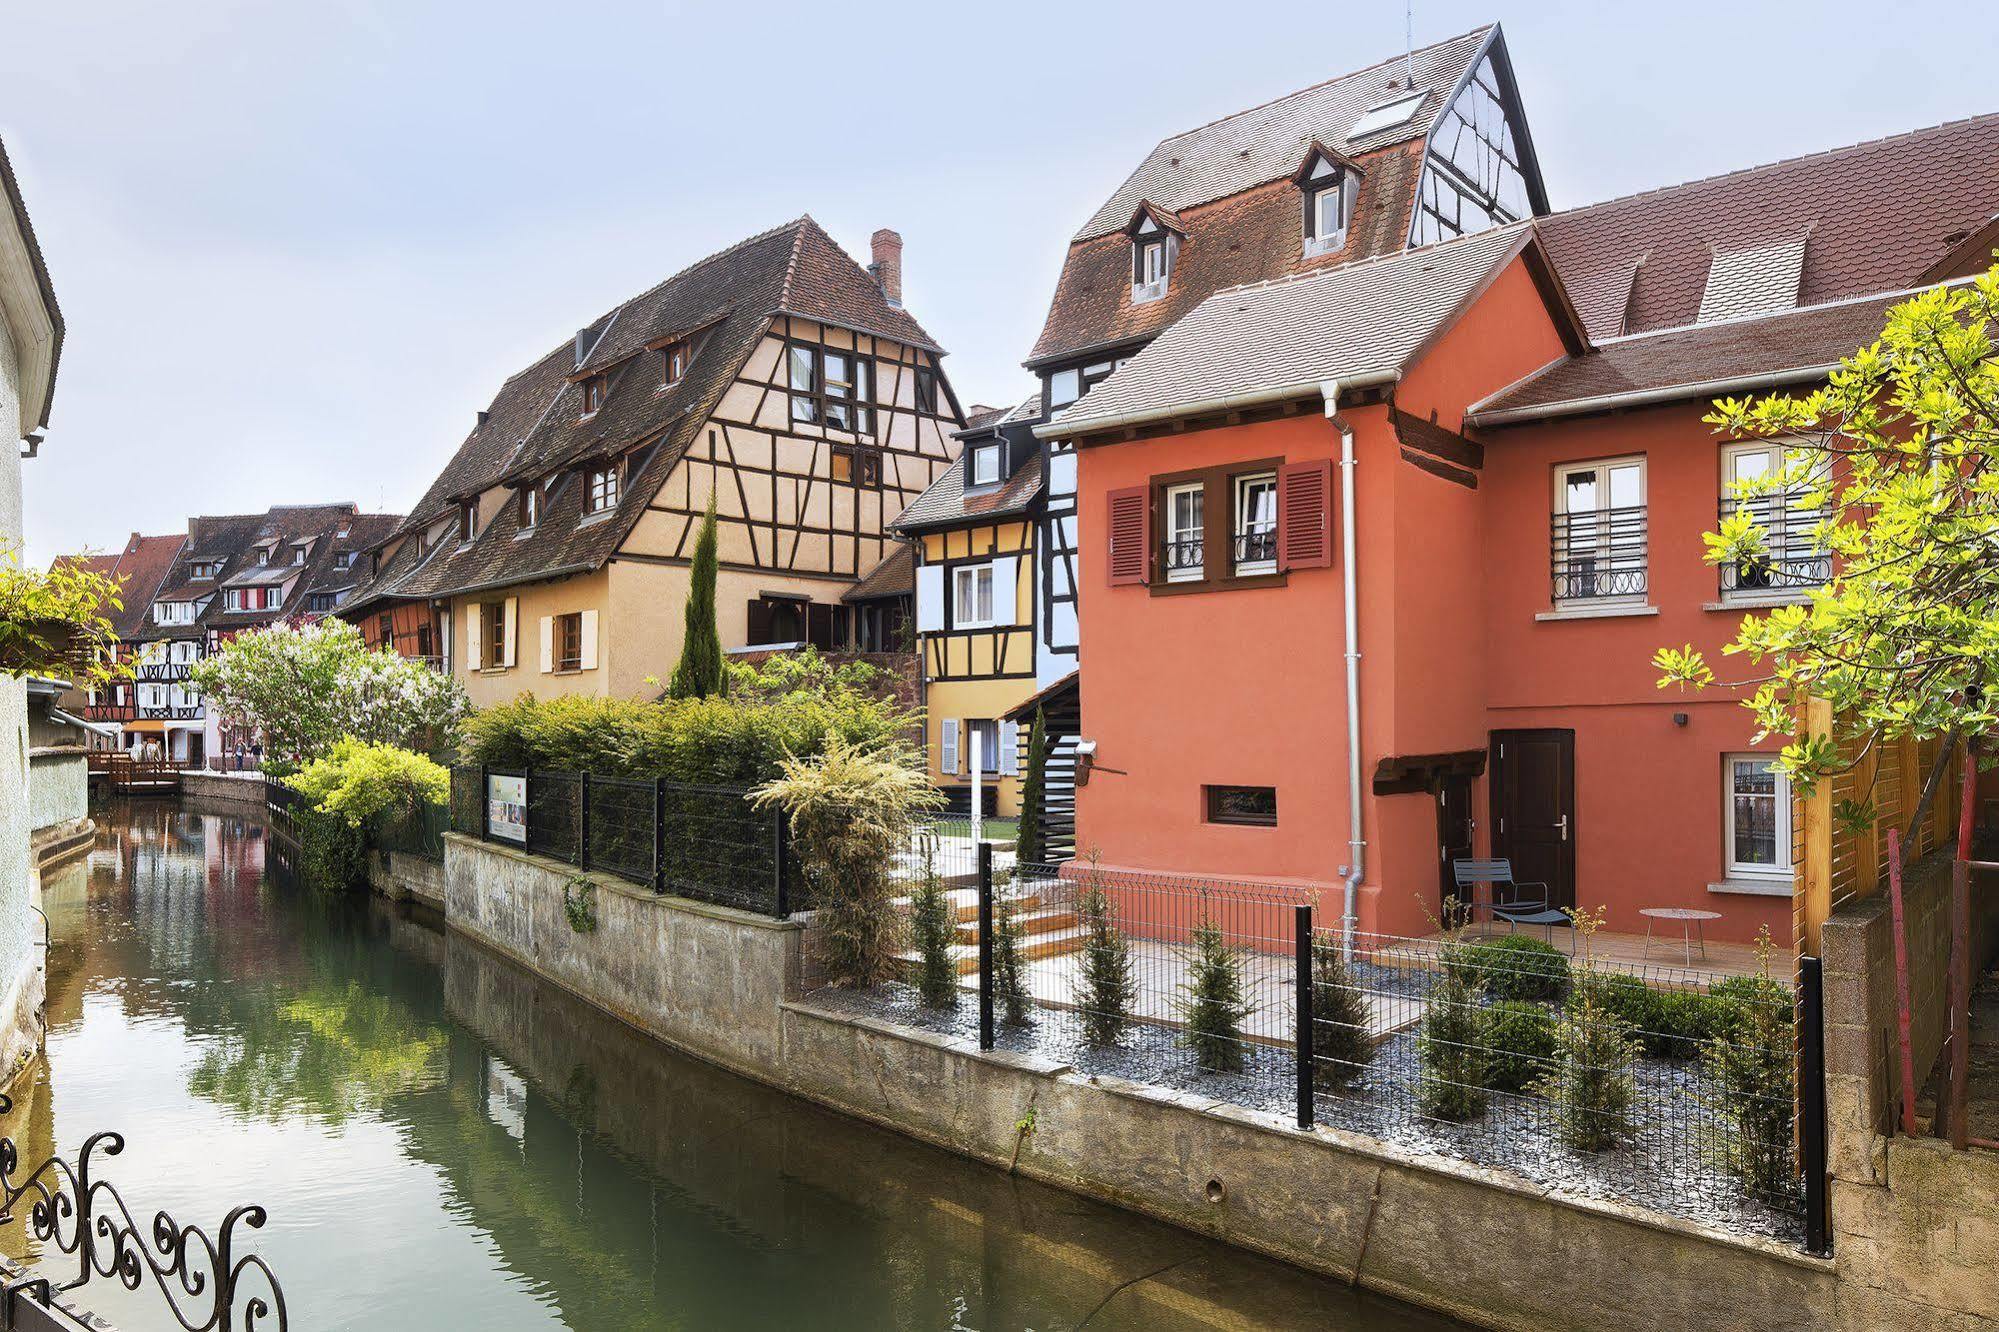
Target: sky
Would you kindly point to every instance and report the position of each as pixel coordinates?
(298, 245)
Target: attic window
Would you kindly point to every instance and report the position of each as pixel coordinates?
(601, 493)
(344, 561)
(1151, 264)
(529, 507)
(593, 394)
(985, 465)
(1387, 115)
(204, 569)
(926, 390)
(1328, 189)
(673, 363)
(468, 520)
(830, 387)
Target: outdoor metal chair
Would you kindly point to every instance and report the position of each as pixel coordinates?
(1519, 908)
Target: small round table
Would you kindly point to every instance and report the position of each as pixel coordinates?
(1692, 926)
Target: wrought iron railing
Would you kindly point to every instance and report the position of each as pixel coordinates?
(1598, 554)
(1256, 544)
(1184, 555)
(206, 1283)
(1791, 560)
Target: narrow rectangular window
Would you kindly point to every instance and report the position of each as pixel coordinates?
(493, 621)
(1598, 540)
(593, 394)
(972, 596)
(674, 363)
(1186, 534)
(926, 390)
(985, 464)
(530, 506)
(1256, 523)
(1255, 806)
(1759, 479)
(569, 639)
(803, 372)
(1757, 820)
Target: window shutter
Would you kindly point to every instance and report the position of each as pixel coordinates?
(510, 621)
(1305, 515)
(930, 598)
(947, 746)
(1006, 590)
(1009, 743)
(1131, 536)
(547, 644)
(475, 642)
(588, 658)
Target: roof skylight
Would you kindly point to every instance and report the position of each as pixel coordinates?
(1387, 115)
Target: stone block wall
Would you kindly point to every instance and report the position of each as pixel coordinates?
(58, 787)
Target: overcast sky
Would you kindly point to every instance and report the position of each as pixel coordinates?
(300, 244)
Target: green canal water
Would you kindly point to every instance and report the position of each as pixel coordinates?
(444, 1141)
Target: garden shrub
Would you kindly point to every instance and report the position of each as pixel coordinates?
(1009, 967)
(931, 921)
(344, 791)
(851, 811)
(1749, 1070)
(1214, 1008)
(1514, 966)
(1105, 985)
(1520, 1044)
(1591, 1083)
(1341, 1045)
(1451, 1045)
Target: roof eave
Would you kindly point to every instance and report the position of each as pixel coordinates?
(1144, 416)
(1607, 402)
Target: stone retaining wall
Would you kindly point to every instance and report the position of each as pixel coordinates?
(225, 788)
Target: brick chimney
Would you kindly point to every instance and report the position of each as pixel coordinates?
(887, 266)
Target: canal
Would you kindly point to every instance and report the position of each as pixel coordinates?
(444, 1141)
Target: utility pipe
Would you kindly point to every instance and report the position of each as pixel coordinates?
(1350, 585)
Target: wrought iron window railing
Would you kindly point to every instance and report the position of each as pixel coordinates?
(1790, 560)
(1598, 554)
(1256, 544)
(1184, 555)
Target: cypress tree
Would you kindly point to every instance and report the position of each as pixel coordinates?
(699, 674)
(1032, 839)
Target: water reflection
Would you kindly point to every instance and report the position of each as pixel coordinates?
(445, 1141)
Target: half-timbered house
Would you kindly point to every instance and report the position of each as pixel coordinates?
(778, 380)
(138, 570)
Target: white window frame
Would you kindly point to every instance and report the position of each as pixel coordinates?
(1733, 868)
(1195, 573)
(1152, 279)
(985, 466)
(1790, 534)
(1603, 467)
(601, 486)
(1239, 488)
(988, 747)
(968, 583)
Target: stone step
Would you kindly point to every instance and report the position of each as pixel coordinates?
(1032, 922)
(1049, 943)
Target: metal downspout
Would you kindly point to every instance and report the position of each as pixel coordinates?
(1350, 586)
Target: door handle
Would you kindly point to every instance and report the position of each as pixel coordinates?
(1564, 825)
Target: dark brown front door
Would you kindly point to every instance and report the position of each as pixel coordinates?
(1454, 832)
(1534, 808)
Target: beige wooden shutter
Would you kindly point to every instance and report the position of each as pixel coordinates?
(947, 747)
(589, 661)
(475, 642)
(510, 621)
(1009, 745)
(547, 644)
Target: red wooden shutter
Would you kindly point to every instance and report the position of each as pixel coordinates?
(1305, 515)
(1131, 536)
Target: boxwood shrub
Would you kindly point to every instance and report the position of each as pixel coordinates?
(1520, 1044)
(1512, 966)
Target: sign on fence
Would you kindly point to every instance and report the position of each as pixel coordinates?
(507, 808)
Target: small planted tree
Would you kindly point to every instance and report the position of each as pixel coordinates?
(1105, 985)
(1214, 1008)
(1341, 1045)
(1009, 967)
(1591, 1084)
(1749, 1069)
(1451, 1046)
(930, 920)
(1031, 842)
(699, 673)
(852, 814)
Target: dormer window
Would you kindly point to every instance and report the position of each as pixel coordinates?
(673, 363)
(343, 561)
(204, 570)
(529, 507)
(263, 555)
(1153, 246)
(985, 465)
(593, 394)
(300, 551)
(600, 494)
(468, 520)
(1328, 184)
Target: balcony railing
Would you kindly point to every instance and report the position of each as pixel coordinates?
(1184, 555)
(1790, 561)
(162, 672)
(1598, 554)
(1256, 544)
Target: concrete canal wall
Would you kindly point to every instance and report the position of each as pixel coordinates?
(1483, 1245)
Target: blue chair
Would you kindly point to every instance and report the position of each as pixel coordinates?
(1519, 907)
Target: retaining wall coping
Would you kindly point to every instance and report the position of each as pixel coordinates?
(625, 887)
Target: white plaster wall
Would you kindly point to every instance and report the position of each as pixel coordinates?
(15, 954)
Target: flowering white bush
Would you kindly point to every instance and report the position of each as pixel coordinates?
(304, 688)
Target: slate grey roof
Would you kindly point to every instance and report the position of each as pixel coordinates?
(1360, 319)
(946, 503)
(1266, 142)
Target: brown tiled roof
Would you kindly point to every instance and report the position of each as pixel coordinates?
(946, 501)
(138, 569)
(1879, 214)
(1698, 360)
(235, 538)
(535, 429)
(895, 576)
(11, 188)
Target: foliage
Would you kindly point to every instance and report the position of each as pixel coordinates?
(332, 851)
(1009, 967)
(1520, 1044)
(1591, 1083)
(1451, 1045)
(1749, 1067)
(361, 783)
(303, 688)
(852, 813)
(931, 922)
(1341, 1046)
(1900, 450)
(1106, 987)
(795, 707)
(1031, 839)
(55, 624)
(700, 672)
(579, 904)
(1515, 966)
(1214, 1008)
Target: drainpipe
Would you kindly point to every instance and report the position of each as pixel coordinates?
(1350, 578)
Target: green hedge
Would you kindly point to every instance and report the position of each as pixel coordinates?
(1512, 966)
(1520, 1044)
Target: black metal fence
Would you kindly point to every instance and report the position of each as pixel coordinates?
(709, 843)
(418, 834)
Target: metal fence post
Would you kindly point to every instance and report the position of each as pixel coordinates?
(985, 945)
(783, 891)
(485, 807)
(658, 835)
(1812, 1147)
(527, 808)
(1302, 916)
(583, 822)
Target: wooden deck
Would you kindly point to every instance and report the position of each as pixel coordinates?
(125, 775)
(1666, 959)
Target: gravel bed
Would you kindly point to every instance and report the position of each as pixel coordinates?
(1668, 1167)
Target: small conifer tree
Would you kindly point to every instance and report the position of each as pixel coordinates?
(1214, 1006)
(699, 673)
(1009, 968)
(1341, 1046)
(930, 921)
(1105, 987)
(1591, 1086)
(1749, 1067)
(1032, 840)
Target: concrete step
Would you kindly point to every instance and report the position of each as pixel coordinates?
(1032, 922)
(1049, 943)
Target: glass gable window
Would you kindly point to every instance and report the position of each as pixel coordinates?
(1757, 820)
(830, 387)
(1185, 533)
(1753, 479)
(1256, 523)
(1598, 532)
(1473, 178)
(972, 596)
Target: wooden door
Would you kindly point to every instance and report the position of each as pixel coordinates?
(1454, 832)
(1534, 808)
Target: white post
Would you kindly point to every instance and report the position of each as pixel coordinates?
(978, 785)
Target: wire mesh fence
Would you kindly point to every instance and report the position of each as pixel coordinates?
(420, 833)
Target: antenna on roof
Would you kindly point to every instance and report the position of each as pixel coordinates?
(1409, 44)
